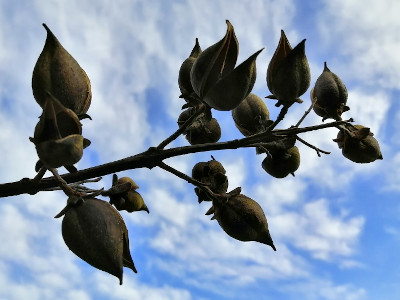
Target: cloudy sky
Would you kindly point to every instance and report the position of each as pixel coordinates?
(336, 225)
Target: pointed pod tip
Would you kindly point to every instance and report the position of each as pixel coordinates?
(326, 69)
(47, 29)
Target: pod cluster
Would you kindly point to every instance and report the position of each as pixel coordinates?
(62, 88)
(239, 216)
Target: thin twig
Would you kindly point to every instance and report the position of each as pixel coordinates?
(63, 184)
(305, 115)
(319, 151)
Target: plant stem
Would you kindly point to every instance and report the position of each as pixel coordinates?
(151, 158)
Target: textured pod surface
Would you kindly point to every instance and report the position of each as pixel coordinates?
(288, 74)
(205, 132)
(230, 90)
(243, 219)
(250, 115)
(57, 72)
(361, 147)
(61, 152)
(281, 164)
(329, 95)
(96, 233)
(57, 136)
(184, 83)
(215, 62)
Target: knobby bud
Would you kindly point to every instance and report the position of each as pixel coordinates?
(329, 96)
(288, 73)
(214, 77)
(281, 163)
(251, 116)
(58, 135)
(184, 83)
(123, 195)
(204, 128)
(358, 144)
(96, 233)
(243, 219)
(212, 174)
(57, 72)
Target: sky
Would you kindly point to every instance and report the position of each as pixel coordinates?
(335, 225)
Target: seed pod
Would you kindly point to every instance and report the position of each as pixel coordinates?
(329, 96)
(126, 199)
(230, 90)
(251, 115)
(358, 144)
(288, 73)
(211, 173)
(184, 83)
(215, 62)
(97, 234)
(204, 132)
(57, 72)
(243, 219)
(57, 136)
(282, 163)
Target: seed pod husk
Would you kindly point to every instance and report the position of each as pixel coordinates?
(204, 132)
(251, 115)
(57, 136)
(126, 198)
(282, 163)
(215, 62)
(243, 219)
(97, 234)
(184, 83)
(57, 72)
(230, 90)
(358, 144)
(288, 74)
(329, 96)
(211, 173)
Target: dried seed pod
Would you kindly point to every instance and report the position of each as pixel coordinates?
(282, 163)
(127, 199)
(184, 83)
(96, 232)
(57, 72)
(211, 173)
(243, 219)
(358, 144)
(57, 136)
(215, 62)
(251, 115)
(288, 73)
(204, 132)
(329, 96)
(230, 90)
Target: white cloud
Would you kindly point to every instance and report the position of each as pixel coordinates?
(367, 46)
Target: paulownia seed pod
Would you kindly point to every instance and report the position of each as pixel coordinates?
(57, 136)
(329, 96)
(211, 173)
(251, 115)
(57, 72)
(184, 83)
(282, 163)
(96, 233)
(288, 74)
(358, 144)
(130, 200)
(243, 219)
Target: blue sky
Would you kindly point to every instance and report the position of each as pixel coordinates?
(335, 225)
